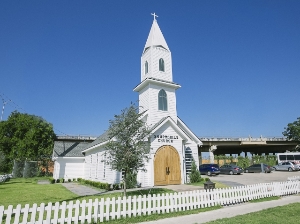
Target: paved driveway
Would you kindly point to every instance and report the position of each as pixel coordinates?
(253, 178)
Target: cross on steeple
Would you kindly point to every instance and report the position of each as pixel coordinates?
(154, 15)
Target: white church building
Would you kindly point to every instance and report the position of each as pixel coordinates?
(173, 144)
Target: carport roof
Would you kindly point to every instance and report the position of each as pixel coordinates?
(69, 148)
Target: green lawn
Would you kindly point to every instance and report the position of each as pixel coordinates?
(281, 214)
(27, 191)
(218, 184)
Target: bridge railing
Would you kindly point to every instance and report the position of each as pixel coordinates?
(243, 139)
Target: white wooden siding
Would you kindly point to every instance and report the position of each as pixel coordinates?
(152, 56)
(156, 115)
(95, 169)
(69, 168)
(144, 58)
(144, 99)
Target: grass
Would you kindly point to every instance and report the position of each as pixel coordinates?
(281, 214)
(265, 199)
(27, 191)
(218, 184)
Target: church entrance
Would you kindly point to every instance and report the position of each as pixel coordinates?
(167, 166)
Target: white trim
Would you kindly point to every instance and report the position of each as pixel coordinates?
(157, 82)
(195, 138)
(183, 135)
(70, 157)
(95, 146)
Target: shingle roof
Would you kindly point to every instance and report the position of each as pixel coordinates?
(69, 148)
(100, 139)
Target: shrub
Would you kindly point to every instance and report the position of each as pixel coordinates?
(58, 181)
(69, 180)
(206, 179)
(195, 176)
(131, 180)
(52, 180)
(116, 186)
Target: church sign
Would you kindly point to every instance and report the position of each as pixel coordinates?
(165, 138)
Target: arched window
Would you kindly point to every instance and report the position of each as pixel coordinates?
(161, 65)
(146, 67)
(162, 100)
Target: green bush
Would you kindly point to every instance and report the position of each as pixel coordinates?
(195, 176)
(58, 181)
(206, 179)
(69, 180)
(131, 180)
(96, 184)
(116, 186)
(52, 180)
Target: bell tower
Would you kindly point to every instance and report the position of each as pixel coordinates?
(157, 89)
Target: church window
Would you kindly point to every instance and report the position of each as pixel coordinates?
(104, 165)
(161, 65)
(146, 67)
(162, 100)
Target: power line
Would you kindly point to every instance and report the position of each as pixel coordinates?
(6, 100)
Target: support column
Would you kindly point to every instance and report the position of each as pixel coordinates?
(211, 149)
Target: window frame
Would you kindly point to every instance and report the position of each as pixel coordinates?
(146, 68)
(161, 65)
(162, 100)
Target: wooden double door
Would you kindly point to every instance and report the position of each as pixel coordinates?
(167, 166)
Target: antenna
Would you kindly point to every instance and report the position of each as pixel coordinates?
(4, 103)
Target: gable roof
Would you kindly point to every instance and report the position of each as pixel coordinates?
(69, 148)
(101, 139)
(182, 129)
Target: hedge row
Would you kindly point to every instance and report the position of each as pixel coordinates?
(105, 186)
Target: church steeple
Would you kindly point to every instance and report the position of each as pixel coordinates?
(157, 89)
(156, 61)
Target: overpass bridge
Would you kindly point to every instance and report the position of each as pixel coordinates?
(248, 145)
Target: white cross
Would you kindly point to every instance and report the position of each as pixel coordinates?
(154, 15)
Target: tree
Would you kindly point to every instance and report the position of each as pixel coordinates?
(128, 144)
(292, 131)
(5, 164)
(195, 176)
(24, 136)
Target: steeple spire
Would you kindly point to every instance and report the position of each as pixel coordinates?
(155, 37)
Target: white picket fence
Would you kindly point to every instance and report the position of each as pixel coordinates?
(294, 178)
(115, 208)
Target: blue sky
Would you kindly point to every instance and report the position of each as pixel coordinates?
(75, 63)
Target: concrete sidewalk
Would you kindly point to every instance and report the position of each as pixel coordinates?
(83, 190)
(227, 211)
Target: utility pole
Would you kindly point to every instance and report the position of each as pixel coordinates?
(4, 103)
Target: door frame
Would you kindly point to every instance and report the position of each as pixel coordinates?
(179, 164)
